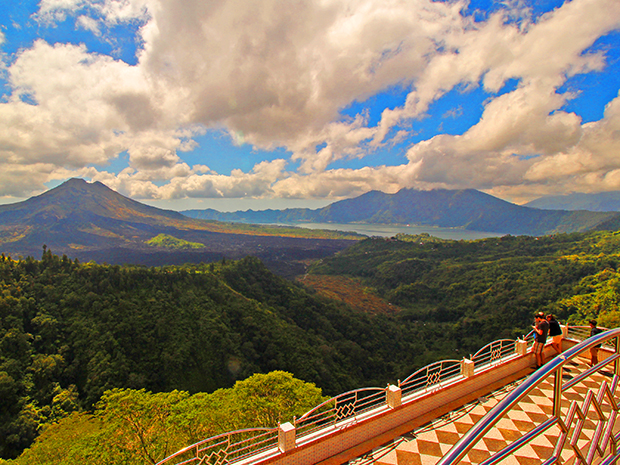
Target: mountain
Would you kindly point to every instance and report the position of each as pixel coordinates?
(468, 208)
(90, 221)
(601, 202)
(77, 198)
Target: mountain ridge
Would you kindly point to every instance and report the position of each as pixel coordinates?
(599, 202)
(466, 208)
(90, 221)
(80, 195)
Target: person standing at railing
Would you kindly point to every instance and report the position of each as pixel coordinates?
(541, 328)
(555, 332)
(594, 330)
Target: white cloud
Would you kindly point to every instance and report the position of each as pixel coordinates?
(87, 109)
(17, 180)
(198, 182)
(111, 11)
(277, 74)
(497, 152)
(57, 10)
(90, 24)
(591, 162)
(344, 183)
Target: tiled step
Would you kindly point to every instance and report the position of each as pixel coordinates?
(426, 445)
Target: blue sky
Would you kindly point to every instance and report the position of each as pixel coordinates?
(233, 104)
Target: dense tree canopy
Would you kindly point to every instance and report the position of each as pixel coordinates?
(139, 427)
(70, 332)
(488, 288)
(80, 342)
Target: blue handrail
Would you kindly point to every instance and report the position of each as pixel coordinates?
(553, 367)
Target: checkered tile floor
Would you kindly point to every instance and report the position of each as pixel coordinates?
(426, 445)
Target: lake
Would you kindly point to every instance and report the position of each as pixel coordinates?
(388, 230)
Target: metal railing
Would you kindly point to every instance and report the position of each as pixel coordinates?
(342, 407)
(570, 421)
(227, 447)
(581, 333)
(430, 375)
(237, 445)
(494, 352)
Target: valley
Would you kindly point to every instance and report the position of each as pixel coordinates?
(134, 304)
(74, 333)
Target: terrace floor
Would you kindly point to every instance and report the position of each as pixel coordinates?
(427, 444)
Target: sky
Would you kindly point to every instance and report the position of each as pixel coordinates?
(237, 104)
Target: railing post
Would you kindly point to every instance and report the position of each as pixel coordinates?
(617, 361)
(394, 396)
(467, 368)
(557, 392)
(286, 437)
(521, 347)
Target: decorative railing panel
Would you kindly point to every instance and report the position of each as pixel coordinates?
(226, 448)
(494, 352)
(345, 406)
(430, 375)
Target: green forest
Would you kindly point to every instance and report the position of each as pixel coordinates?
(170, 242)
(490, 286)
(88, 351)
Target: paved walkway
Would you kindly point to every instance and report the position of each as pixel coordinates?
(427, 444)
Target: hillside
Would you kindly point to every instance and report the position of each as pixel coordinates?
(89, 221)
(468, 209)
(71, 333)
(600, 202)
(487, 287)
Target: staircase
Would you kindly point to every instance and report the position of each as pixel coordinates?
(428, 444)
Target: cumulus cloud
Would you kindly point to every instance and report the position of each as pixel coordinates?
(57, 10)
(590, 163)
(74, 108)
(277, 74)
(523, 136)
(344, 183)
(90, 24)
(108, 11)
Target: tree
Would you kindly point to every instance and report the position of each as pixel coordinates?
(71, 441)
(137, 427)
(272, 398)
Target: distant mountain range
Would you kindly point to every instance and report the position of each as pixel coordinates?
(468, 209)
(89, 221)
(601, 202)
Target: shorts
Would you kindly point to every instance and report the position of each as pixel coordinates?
(538, 347)
(557, 339)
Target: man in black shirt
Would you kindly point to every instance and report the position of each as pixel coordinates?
(555, 333)
(540, 337)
